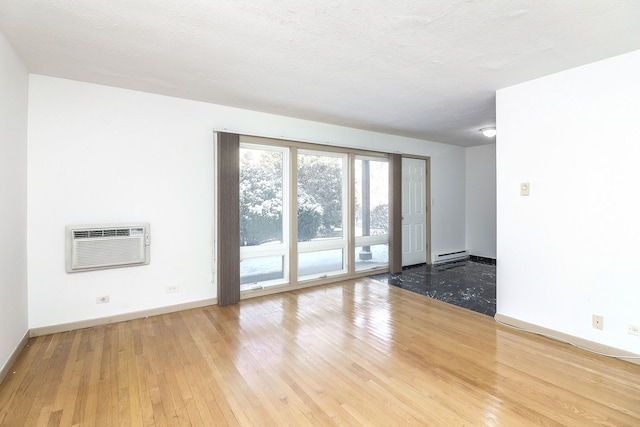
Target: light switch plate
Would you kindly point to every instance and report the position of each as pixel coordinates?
(524, 189)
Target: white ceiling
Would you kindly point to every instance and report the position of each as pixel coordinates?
(427, 69)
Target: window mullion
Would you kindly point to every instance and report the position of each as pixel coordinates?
(293, 215)
(350, 208)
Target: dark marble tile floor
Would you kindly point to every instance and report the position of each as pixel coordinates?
(468, 283)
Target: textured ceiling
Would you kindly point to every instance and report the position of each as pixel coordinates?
(421, 68)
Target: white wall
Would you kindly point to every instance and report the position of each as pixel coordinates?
(570, 249)
(13, 199)
(102, 154)
(481, 200)
(448, 199)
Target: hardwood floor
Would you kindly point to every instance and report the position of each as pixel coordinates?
(356, 353)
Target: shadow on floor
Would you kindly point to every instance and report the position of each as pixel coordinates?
(468, 284)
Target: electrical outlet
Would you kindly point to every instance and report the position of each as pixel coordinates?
(172, 289)
(634, 330)
(597, 321)
(102, 300)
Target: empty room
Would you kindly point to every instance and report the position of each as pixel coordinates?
(238, 212)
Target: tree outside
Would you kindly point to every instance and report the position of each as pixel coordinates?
(319, 196)
(319, 202)
(260, 196)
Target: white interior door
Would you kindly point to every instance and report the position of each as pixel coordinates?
(414, 211)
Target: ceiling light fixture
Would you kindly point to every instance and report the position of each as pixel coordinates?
(489, 132)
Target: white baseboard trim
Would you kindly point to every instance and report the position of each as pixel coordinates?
(82, 324)
(14, 357)
(573, 340)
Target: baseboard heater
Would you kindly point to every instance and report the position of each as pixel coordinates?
(93, 247)
(451, 256)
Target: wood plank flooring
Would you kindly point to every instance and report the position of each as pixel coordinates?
(355, 353)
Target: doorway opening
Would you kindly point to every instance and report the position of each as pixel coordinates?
(415, 212)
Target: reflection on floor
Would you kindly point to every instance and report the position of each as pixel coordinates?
(469, 284)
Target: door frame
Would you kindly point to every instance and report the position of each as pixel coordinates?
(427, 161)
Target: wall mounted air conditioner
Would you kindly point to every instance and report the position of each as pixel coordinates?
(92, 247)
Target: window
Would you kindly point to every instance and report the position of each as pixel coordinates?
(321, 208)
(263, 215)
(308, 213)
(371, 176)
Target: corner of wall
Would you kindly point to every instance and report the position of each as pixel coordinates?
(14, 86)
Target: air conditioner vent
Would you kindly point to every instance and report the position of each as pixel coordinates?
(91, 247)
(109, 232)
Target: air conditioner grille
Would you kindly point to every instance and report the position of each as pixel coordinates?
(81, 234)
(109, 232)
(99, 253)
